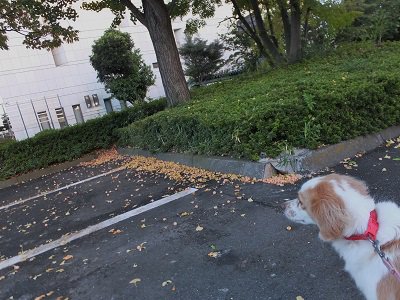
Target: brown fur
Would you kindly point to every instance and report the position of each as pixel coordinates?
(391, 246)
(357, 185)
(327, 209)
(389, 287)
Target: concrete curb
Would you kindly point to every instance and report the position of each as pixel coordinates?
(330, 156)
(213, 163)
(46, 171)
(302, 161)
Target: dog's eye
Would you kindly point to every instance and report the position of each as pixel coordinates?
(300, 204)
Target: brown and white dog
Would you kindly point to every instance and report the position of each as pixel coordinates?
(346, 215)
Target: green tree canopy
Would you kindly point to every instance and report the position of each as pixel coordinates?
(120, 66)
(41, 23)
(202, 60)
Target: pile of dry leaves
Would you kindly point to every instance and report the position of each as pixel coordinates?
(104, 156)
(182, 173)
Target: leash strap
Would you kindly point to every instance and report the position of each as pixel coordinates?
(386, 261)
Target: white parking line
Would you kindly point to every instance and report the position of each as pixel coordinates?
(65, 239)
(59, 189)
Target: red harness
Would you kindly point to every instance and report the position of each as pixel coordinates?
(371, 231)
(370, 235)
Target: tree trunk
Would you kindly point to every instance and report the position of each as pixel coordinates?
(295, 31)
(270, 24)
(306, 20)
(252, 33)
(286, 24)
(266, 40)
(158, 23)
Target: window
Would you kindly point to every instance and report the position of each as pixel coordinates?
(95, 100)
(108, 105)
(88, 101)
(155, 65)
(78, 113)
(43, 120)
(179, 36)
(61, 117)
(59, 56)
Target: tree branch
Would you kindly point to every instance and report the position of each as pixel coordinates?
(135, 11)
(252, 32)
(265, 38)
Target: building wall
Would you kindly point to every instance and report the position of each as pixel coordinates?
(43, 81)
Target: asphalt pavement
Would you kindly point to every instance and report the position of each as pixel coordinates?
(227, 240)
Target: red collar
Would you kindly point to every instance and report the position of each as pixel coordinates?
(371, 231)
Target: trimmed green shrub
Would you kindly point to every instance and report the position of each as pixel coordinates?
(56, 146)
(352, 92)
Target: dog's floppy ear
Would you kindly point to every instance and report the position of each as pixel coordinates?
(328, 210)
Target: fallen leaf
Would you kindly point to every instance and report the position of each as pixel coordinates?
(199, 228)
(135, 281)
(299, 298)
(288, 228)
(2, 277)
(213, 254)
(50, 293)
(68, 257)
(250, 200)
(384, 170)
(115, 231)
(141, 246)
(184, 214)
(165, 283)
(40, 297)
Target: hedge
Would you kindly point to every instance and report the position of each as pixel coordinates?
(56, 146)
(353, 92)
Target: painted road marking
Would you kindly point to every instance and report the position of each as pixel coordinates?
(59, 189)
(65, 239)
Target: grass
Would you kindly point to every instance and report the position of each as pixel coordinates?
(353, 92)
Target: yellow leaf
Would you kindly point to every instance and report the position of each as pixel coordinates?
(67, 257)
(40, 297)
(213, 254)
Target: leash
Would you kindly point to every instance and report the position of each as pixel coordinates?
(386, 261)
(370, 235)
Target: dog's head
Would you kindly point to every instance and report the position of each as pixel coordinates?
(337, 204)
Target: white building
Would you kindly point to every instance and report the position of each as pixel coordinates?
(42, 89)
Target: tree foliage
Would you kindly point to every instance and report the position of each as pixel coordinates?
(283, 30)
(244, 54)
(378, 20)
(41, 23)
(156, 16)
(121, 67)
(202, 60)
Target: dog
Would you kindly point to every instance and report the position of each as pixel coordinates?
(348, 217)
